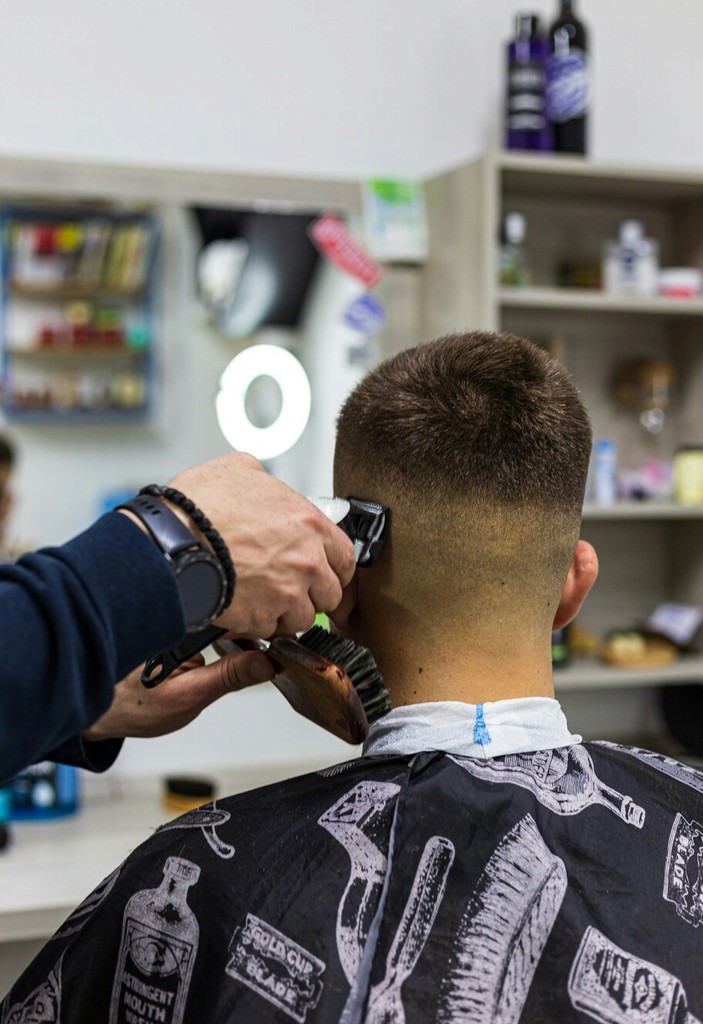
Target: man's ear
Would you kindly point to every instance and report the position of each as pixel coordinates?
(579, 580)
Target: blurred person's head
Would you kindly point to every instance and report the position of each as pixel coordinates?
(479, 443)
(7, 464)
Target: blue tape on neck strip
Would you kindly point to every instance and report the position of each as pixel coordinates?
(481, 733)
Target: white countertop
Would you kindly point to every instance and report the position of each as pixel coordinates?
(50, 866)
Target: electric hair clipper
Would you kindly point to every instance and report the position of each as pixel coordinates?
(364, 522)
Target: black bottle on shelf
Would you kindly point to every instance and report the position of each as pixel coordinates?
(568, 81)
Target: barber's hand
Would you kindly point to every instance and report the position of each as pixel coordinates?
(341, 615)
(138, 711)
(291, 561)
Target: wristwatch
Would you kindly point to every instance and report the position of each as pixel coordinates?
(200, 577)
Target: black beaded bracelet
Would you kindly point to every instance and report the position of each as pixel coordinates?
(205, 527)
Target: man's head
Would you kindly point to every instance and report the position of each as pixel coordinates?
(7, 462)
(479, 443)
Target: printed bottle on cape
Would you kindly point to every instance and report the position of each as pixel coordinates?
(157, 950)
(563, 779)
(615, 987)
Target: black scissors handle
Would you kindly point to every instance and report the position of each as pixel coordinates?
(162, 665)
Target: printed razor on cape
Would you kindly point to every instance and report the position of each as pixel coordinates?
(364, 522)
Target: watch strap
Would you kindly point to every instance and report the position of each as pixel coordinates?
(199, 575)
(203, 524)
(171, 533)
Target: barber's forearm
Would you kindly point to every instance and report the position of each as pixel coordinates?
(75, 620)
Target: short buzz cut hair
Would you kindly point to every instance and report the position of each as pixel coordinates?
(475, 420)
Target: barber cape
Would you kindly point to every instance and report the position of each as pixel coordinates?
(477, 864)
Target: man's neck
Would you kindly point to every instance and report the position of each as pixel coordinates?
(441, 666)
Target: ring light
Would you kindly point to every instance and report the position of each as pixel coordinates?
(263, 361)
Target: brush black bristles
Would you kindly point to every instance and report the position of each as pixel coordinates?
(357, 662)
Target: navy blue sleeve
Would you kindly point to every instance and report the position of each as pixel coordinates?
(75, 620)
(93, 756)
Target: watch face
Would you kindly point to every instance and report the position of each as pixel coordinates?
(201, 582)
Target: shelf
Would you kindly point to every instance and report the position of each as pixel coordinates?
(587, 300)
(655, 510)
(76, 290)
(75, 415)
(579, 177)
(588, 674)
(79, 351)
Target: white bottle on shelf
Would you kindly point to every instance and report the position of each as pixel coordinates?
(631, 262)
(605, 472)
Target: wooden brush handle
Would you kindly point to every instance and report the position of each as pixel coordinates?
(314, 686)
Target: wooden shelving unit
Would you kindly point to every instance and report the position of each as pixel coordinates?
(587, 300)
(650, 551)
(590, 674)
(76, 352)
(642, 510)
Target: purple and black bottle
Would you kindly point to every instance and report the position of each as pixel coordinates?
(568, 83)
(526, 122)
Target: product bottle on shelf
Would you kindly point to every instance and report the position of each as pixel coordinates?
(568, 81)
(605, 472)
(513, 266)
(526, 122)
(631, 262)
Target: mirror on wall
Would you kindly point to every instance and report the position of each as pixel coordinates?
(254, 268)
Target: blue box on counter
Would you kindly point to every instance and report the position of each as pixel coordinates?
(45, 790)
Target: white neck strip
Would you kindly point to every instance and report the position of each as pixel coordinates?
(471, 730)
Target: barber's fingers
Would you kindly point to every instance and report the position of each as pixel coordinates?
(318, 571)
(242, 669)
(323, 595)
(339, 551)
(296, 619)
(341, 614)
(291, 605)
(326, 580)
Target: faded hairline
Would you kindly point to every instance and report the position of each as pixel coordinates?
(477, 440)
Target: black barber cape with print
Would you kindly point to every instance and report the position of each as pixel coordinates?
(557, 886)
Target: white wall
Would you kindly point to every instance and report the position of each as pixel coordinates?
(340, 89)
(343, 88)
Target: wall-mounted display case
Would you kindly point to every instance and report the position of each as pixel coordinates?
(651, 551)
(78, 312)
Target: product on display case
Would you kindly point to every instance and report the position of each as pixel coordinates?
(527, 126)
(605, 471)
(568, 81)
(513, 268)
(631, 261)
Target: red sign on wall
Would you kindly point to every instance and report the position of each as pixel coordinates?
(338, 245)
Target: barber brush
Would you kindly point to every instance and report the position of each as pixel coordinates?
(326, 678)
